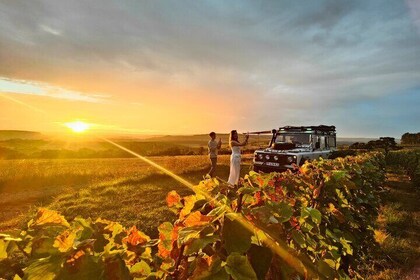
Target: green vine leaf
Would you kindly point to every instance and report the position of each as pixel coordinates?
(235, 236)
(239, 268)
(44, 269)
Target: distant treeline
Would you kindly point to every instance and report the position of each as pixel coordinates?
(410, 138)
(387, 143)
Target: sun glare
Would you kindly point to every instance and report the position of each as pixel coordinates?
(77, 126)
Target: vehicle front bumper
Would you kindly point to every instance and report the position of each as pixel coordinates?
(268, 167)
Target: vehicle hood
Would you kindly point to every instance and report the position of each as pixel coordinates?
(289, 151)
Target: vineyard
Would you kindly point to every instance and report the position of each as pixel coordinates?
(316, 223)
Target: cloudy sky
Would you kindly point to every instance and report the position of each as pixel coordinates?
(183, 67)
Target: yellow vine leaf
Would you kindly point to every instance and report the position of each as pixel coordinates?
(189, 202)
(64, 242)
(46, 217)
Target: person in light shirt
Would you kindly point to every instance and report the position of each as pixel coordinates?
(213, 147)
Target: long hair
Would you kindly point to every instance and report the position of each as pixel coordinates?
(233, 136)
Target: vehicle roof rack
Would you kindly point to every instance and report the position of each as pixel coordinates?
(320, 128)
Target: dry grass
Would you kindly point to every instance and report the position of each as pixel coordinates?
(124, 190)
(399, 229)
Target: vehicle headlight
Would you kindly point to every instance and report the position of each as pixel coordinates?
(276, 158)
(267, 157)
(260, 156)
(290, 159)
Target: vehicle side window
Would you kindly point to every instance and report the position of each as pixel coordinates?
(317, 143)
(322, 142)
(332, 142)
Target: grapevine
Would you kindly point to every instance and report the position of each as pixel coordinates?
(323, 216)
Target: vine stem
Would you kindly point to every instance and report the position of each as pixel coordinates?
(22, 250)
(239, 207)
(178, 261)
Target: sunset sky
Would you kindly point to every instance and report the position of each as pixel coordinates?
(186, 67)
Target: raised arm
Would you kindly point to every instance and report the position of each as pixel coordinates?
(237, 143)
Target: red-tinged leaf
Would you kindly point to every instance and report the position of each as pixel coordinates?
(173, 199)
(279, 191)
(304, 169)
(279, 179)
(274, 197)
(294, 222)
(174, 234)
(316, 192)
(135, 237)
(166, 240)
(258, 200)
(163, 252)
(292, 202)
(249, 217)
(168, 236)
(71, 260)
(196, 219)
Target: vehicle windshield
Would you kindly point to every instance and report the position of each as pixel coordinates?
(298, 139)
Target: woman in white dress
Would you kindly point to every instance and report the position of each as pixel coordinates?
(235, 158)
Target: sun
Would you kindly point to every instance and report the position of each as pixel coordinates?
(77, 126)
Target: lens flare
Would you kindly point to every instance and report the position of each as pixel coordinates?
(303, 267)
(78, 126)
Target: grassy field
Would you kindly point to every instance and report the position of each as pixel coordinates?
(124, 190)
(131, 192)
(79, 146)
(398, 232)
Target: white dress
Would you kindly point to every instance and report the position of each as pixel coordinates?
(235, 165)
